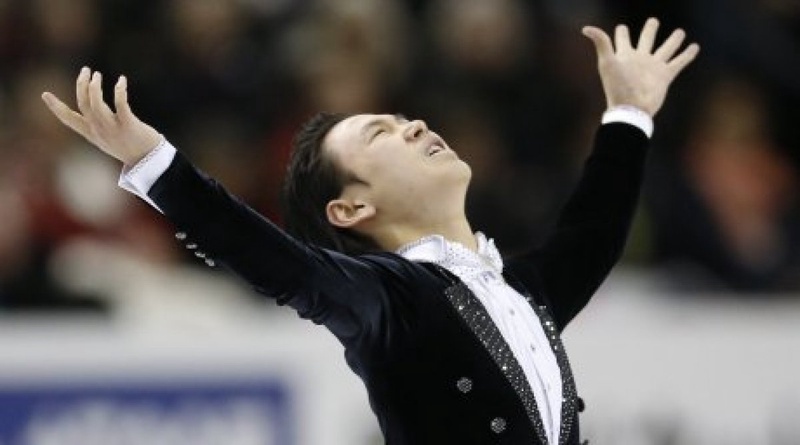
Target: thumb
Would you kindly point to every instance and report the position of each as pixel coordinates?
(602, 42)
(65, 114)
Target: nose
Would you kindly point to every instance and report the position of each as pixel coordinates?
(415, 130)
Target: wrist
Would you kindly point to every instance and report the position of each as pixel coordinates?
(151, 144)
(631, 108)
(631, 115)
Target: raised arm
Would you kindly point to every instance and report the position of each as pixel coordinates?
(321, 285)
(591, 231)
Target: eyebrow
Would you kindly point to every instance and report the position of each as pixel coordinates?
(398, 117)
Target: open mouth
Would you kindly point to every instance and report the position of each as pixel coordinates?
(434, 149)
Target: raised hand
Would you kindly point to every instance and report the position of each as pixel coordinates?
(120, 134)
(639, 76)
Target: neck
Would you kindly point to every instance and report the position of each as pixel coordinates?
(455, 230)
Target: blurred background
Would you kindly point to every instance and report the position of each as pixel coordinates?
(111, 332)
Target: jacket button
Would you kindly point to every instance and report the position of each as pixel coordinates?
(498, 425)
(464, 385)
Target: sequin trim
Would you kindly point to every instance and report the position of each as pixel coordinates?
(474, 314)
(477, 318)
(569, 401)
(569, 392)
(498, 425)
(464, 385)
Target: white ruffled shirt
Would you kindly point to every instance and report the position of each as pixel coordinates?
(518, 323)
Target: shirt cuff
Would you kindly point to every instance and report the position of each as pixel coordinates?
(141, 177)
(631, 115)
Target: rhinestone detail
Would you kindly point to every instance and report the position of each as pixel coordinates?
(464, 385)
(475, 316)
(180, 236)
(569, 392)
(478, 320)
(498, 425)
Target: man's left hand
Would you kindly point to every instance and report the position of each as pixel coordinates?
(639, 76)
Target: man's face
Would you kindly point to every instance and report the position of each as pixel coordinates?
(409, 170)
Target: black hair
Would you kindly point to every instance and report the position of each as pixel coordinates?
(313, 179)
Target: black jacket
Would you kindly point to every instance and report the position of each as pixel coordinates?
(436, 368)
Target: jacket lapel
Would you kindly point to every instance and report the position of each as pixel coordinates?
(473, 313)
(480, 323)
(568, 391)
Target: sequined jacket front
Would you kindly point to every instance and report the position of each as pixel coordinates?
(436, 368)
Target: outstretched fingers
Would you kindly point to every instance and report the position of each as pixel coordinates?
(65, 114)
(100, 112)
(683, 59)
(82, 91)
(119, 134)
(648, 36)
(670, 46)
(92, 114)
(124, 113)
(601, 40)
(622, 38)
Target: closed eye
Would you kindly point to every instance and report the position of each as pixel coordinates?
(377, 133)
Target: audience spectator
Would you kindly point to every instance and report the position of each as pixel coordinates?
(731, 216)
(510, 83)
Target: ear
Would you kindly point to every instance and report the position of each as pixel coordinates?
(347, 213)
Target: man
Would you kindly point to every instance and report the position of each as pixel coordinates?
(453, 344)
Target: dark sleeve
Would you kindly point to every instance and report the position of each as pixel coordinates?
(592, 228)
(344, 293)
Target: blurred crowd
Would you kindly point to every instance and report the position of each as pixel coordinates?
(511, 84)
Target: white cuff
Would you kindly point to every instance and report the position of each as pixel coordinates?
(628, 114)
(141, 177)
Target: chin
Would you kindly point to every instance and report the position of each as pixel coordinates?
(455, 174)
(466, 171)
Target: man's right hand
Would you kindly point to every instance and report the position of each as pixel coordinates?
(121, 134)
